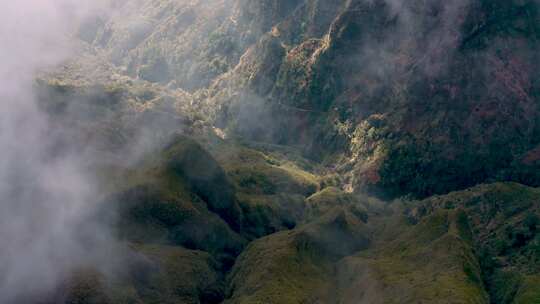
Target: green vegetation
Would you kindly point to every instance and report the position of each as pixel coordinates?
(503, 221)
(242, 149)
(272, 270)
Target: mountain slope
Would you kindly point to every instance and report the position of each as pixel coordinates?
(307, 151)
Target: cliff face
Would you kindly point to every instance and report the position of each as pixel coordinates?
(243, 143)
(425, 98)
(421, 97)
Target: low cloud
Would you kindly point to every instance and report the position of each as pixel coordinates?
(47, 200)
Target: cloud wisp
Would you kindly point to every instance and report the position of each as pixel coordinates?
(46, 196)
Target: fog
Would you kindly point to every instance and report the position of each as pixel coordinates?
(47, 200)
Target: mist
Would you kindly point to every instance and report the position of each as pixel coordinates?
(47, 200)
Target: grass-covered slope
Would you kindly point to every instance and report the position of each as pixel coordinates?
(186, 216)
(504, 220)
(442, 250)
(296, 266)
(208, 220)
(156, 274)
(431, 262)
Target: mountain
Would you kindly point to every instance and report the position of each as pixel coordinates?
(309, 151)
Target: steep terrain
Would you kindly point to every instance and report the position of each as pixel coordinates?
(377, 87)
(308, 151)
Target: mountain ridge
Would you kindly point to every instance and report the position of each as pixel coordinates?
(311, 151)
